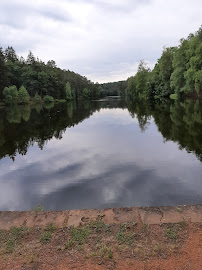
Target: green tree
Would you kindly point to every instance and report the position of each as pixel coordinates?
(85, 93)
(37, 98)
(68, 92)
(10, 54)
(3, 75)
(177, 80)
(23, 96)
(10, 95)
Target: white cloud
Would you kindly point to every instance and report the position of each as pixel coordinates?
(100, 39)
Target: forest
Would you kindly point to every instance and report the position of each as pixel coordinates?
(177, 73)
(22, 80)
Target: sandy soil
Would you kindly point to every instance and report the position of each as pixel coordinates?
(102, 246)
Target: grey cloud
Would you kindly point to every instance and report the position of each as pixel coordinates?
(126, 6)
(17, 14)
(97, 38)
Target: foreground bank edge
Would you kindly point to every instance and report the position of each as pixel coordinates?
(76, 218)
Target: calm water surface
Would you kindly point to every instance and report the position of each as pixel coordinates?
(100, 154)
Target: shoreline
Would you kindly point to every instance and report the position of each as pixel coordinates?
(140, 215)
(132, 238)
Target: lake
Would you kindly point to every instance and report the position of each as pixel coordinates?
(100, 154)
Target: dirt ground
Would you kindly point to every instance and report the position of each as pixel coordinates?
(127, 238)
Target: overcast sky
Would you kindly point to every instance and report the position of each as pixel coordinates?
(101, 39)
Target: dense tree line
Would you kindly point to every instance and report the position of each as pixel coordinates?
(40, 79)
(178, 72)
(113, 89)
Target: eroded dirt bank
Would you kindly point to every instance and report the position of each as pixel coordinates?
(123, 238)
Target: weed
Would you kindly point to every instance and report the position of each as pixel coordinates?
(45, 237)
(125, 226)
(99, 226)
(10, 244)
(125, 238)
(179, 210)
(93, 254)
(39, 208)
(171, 231)
(18, 232)
(106, 252)
(158, 249)
(50, 228)
(110, 253)
(80, 235)
(69, 244)
(183, 224)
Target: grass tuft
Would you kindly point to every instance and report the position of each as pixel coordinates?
(80, 235)
(45, 237)
(171, 231)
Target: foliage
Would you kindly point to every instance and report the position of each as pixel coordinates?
(10, 95)
(173, 96)
(178, 71)
(85, 93)
(68, 92)
(48, 99)
(3, 75)
(37, 98)
(23, 96)
(138, 86)
(42, 78)
(112, 89)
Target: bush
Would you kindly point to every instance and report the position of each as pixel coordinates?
(48, 99)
